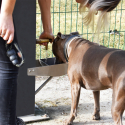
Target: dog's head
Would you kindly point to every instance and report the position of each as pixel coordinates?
(58, 46)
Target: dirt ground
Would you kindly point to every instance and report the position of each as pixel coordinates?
(55, 100)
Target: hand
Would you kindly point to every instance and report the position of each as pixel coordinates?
(46, 35)
(79, 1)
(6, 27)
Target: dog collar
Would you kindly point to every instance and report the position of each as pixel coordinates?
(66, 45)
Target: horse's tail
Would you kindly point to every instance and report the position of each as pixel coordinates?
(104, 6)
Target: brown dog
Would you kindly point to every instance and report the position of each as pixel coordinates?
(93, 67)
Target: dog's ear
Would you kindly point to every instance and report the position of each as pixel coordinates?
(75, 33)
(60, 35)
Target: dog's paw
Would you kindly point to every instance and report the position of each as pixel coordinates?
(96, 117)
(67, 122)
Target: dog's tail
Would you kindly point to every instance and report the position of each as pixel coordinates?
(104, 6)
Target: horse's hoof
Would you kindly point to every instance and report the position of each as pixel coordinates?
(96, 117)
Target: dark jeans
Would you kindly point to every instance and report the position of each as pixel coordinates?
(8, 88)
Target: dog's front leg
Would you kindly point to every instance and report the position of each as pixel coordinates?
(96, 114)
(75, 93)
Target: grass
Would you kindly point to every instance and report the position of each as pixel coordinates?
(66, 18)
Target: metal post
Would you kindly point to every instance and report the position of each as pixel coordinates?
(43, 85)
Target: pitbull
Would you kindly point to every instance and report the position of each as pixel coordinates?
(93, 67)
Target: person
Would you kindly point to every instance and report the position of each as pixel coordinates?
(46, 20)
(94, 6)
(8, 72)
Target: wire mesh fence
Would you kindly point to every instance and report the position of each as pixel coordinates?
(65, 18)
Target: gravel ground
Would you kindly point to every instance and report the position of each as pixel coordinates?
(55, 100)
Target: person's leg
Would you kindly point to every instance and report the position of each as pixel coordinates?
(46, 19)
(8, 88)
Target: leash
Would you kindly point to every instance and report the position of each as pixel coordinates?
(40, 41)
(67, 43)
(14, 53)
